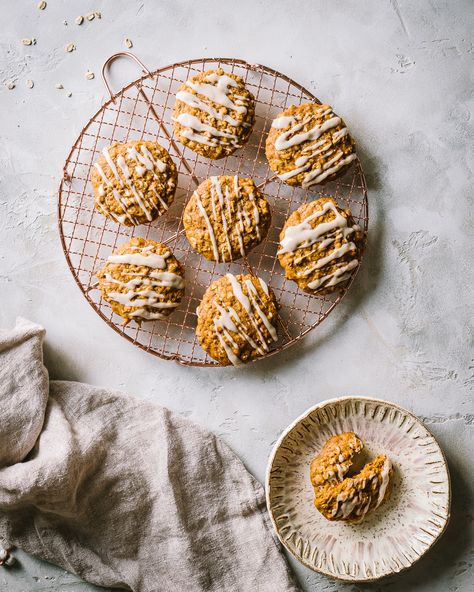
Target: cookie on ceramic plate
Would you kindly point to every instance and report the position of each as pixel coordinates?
(214, 113)
(134, 183)
(226, 217)
(142, 281)
(404, 502)
(342, 492)
(320, 246)
(309, 144)
(237, 319)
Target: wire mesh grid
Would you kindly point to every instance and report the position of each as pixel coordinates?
(142, 110)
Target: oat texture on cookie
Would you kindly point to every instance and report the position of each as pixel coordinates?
(308, 144)
(226, 217)
(237, 319)
(341, 496)
(134, 183)
(320, 246)
(142, 281)
(214, 113)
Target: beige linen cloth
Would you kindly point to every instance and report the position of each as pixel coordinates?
(121, 492)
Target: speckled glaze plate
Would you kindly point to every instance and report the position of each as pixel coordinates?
(394, 536)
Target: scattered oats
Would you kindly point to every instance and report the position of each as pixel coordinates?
(70, 47)
(90, 75)
(27, 41)
(69, 94)
(42, 5)
(128, 43)
(90, 16)
(30, 83)
(79, 20)
(10, 85)
(98, 14)
(59, 86)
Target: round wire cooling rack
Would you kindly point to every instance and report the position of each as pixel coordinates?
(142, 110)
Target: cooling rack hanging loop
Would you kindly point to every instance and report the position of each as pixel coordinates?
(121, 54)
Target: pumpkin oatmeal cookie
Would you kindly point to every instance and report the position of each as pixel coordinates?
(308, 144)
(320, 246)
(237, 319)
(134, 183)
(142, 281)
(226, 217)
(339, 496)
(214, 113)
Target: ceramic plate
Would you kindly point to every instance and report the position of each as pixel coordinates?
(391, 538)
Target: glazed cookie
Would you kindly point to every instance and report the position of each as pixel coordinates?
(214, 113)
(236, 319)
(308, 144)
(320, 246)
(226, 217)
(350, 498)
(142, 281)
(134, 182)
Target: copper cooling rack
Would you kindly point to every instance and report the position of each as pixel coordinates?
(142, 110)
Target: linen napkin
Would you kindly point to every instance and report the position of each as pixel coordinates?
(122, 492)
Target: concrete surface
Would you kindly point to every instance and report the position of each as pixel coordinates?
(401, 73)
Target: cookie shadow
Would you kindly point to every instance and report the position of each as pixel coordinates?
(446, 553)
(366, 281)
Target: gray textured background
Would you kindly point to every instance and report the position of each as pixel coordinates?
(401, 74)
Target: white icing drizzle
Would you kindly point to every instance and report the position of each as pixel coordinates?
(145, 158)
(215, 87)
(303, 235)
(194, 101)
(147, 315)
(229, 320)
(146, 296)
(283, 121)
(221, 196)
(193, 124)
(263, 286)
(102, 174)
(385, 477)
(216, 189)
(210, 229)
(253, 294)
(345, 505)
(240, 231)
(291, 137)
(334, 278)
(219, 92)
(153, 260)
(318, 175)
(125, 180)
(111, 164)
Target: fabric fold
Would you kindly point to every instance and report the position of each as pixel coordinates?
(122, 492)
